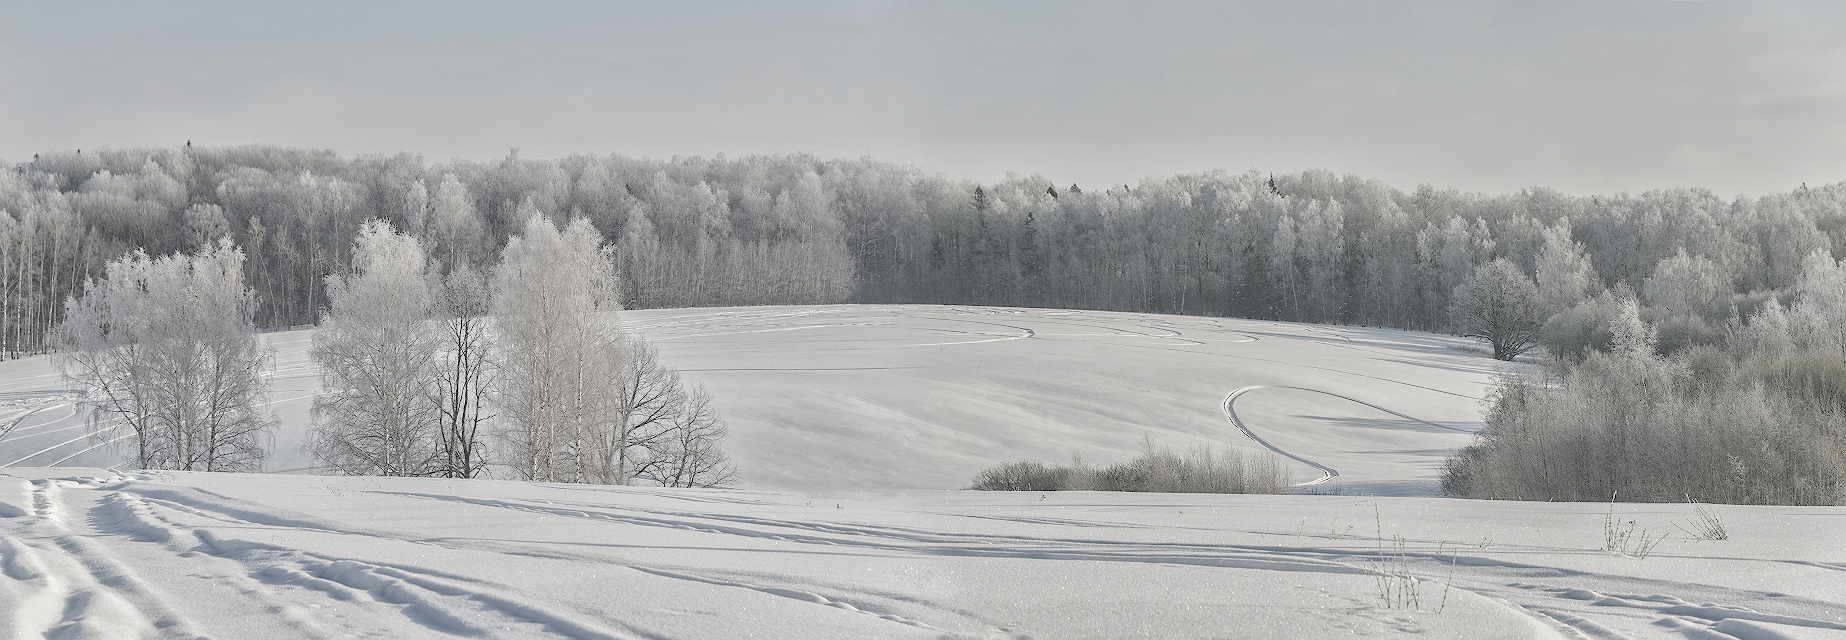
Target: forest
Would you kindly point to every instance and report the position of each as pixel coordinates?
(1701, 294)
(1309, 246)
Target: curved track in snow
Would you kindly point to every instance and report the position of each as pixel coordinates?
(1327, 473)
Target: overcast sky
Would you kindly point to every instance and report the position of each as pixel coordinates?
(1595, 97)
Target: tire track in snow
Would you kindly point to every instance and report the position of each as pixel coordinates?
(442, 601)
(1025, 332)
(1327, 473)
(783, 592)
(916, 541)
(14, 424)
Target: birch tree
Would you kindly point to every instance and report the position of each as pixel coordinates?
(1564, 273)
(167, 354)
(464, 371)
(376, 349)
(554, 305)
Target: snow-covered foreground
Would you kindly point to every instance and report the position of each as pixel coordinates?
(85, 551)
(852, 426)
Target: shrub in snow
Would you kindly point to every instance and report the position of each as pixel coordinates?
(1706, 525)
(1024, 475)
(1619, 537)
(1155, 470)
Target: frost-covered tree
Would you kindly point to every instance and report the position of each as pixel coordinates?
(1565, 276)
(1498, 304)
(1685, 285)
(167, 353)
(555, 298)
(416, 209)
(1448, 254)
(1821, 286)
(1320, 248)
(454, 226)
(376, 349)
(205, 224)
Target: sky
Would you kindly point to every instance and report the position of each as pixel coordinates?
(1743, 98)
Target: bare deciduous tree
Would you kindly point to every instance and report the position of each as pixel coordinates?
(1498, 304)
(688, 454)
(668, 435)
(651, 398)
(463, 371)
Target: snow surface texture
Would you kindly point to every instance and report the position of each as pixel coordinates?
(91, 553)
(849, 423)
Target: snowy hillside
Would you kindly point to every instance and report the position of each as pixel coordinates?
(922, 397)
(827, 398)
(853, 426)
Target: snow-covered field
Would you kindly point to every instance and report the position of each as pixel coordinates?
(853, 426)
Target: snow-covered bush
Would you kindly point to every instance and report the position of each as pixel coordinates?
(1024, 475)
(1155, 470)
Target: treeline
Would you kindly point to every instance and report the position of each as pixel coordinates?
(1308, 246)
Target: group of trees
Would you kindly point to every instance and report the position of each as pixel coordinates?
(165, 349)
(1308, 246)
(414, 356)
(1757, 417)
(410, 369)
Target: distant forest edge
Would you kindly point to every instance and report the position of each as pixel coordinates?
(1309, 246)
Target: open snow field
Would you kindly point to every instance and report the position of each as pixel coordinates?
(852, 426)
